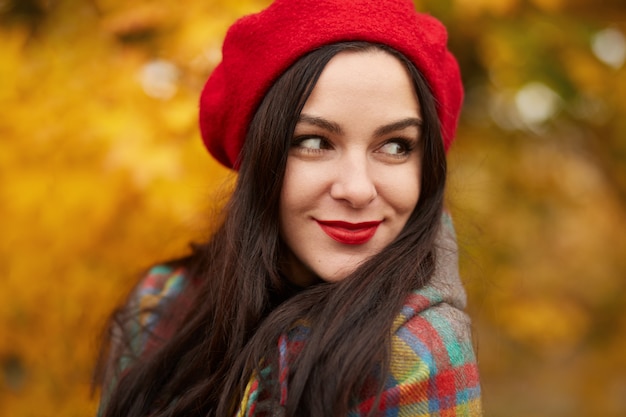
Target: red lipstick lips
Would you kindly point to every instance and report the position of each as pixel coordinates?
(349, 233)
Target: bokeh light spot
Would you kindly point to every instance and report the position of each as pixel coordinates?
(536, 103)
(609, 46)
(159, 79)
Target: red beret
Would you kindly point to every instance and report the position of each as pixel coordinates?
(258, 48)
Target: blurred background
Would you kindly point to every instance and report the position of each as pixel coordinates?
(102, 173)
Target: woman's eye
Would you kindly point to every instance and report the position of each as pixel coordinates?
(395, 148)
(311, 143)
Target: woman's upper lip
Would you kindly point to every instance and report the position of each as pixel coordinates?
(348, 225)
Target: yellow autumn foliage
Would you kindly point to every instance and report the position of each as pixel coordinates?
(102, 173)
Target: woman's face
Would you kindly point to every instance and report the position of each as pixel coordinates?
(353, 170)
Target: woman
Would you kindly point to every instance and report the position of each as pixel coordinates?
(330, 287)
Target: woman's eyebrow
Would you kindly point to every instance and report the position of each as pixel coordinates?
(399, 125)
(322, 123)
(381, 131)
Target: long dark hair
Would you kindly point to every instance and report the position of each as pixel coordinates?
(243, 304)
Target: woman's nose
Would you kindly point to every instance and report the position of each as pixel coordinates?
(353, 182)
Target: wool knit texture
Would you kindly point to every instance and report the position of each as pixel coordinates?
(259, 48)
(433, 370)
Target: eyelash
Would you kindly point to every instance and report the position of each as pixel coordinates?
(407, 145)
(297, 142)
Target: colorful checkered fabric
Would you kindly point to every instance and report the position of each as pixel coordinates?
(433, 369)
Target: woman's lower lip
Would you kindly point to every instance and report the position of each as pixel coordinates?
(350, 236)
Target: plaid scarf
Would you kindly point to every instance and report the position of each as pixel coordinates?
(433, 370)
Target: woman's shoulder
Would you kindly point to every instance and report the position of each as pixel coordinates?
(157, 300)
(433, 319)
(144, 321)
(435, 340)
(432, 368)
